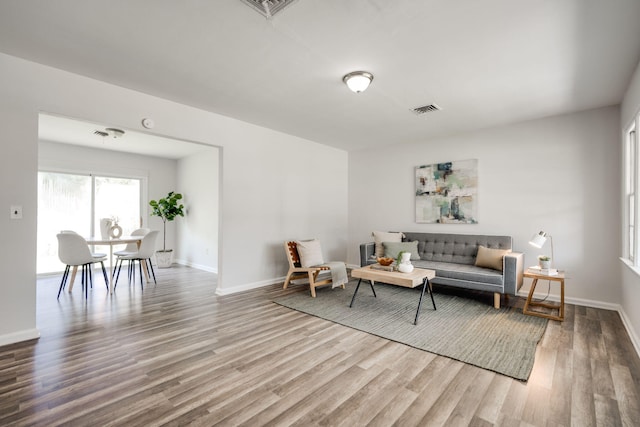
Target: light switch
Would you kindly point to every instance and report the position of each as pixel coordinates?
(16, 212)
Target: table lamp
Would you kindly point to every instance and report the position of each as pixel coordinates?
(539, 239)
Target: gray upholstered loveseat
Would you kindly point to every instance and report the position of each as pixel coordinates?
(453, 257)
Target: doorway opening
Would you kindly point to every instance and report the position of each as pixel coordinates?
(85, 176)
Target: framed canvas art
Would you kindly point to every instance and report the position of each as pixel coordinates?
(447, 193)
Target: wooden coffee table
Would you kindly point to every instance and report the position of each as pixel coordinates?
(419, 276)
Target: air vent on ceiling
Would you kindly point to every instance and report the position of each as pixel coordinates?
(426, 109)
(100, 133)
(268, 8)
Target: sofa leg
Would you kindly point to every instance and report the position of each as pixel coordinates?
(496, 300)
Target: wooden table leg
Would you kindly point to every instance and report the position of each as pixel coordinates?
(145, 269)
(73, 277)
(529, 302)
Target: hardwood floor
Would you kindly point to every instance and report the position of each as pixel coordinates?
(177, 354)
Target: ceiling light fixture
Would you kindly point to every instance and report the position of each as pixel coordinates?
(115, 133)
(358, 81)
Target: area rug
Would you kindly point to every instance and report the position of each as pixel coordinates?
(464, 329)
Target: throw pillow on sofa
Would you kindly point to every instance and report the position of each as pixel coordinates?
(490, 258)
(391, 249)
(384, 236)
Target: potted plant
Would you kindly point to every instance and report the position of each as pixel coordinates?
(167, 209)
(544, 261)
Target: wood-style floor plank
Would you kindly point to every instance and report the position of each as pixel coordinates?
(177, 354)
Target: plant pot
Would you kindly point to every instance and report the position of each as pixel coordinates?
(164, 259)
(545, 264)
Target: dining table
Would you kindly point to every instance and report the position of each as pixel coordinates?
(111, 242)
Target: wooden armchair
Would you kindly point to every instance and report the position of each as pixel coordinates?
(296, 271)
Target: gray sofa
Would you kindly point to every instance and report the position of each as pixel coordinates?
(453, 257)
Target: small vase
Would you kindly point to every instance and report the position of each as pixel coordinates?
(105, 227)
(545, 264)
(405, 268)
(405, 265)
(115, 231)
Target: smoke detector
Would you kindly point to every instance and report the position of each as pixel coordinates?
(110, 132)
(115, 133)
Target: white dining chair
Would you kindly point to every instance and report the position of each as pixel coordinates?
(74, 252)
(96, 255)
(143, 254)
(132, 247)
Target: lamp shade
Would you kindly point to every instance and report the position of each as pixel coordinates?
(358, 81)
(538, 239)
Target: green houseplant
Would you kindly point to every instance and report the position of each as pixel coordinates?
(544, 261)
(167, 208)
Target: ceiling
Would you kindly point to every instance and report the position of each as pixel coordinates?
(83, 133)
(485, 63)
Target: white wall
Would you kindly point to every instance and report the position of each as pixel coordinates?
(274, 186)
(198, 181)
(559, 174)
(630, 277)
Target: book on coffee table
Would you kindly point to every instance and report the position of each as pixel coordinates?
(382, 267)
(535, 269)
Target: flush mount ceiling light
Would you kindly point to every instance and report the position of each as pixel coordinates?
(358, 81)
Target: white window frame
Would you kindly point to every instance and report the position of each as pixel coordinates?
(631, 233)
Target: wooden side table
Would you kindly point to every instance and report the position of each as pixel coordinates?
(529, 303)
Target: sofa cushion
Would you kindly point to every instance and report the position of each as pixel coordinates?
(391, 249)
(490, 258)
(310, 252)
(466, 272)
(384, 236)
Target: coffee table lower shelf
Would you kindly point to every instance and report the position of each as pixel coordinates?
(418, 277)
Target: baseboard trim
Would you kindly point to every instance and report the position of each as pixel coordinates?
(198, 266)
(575, 301)
(249, 286)
(629, 327)
(15, 337)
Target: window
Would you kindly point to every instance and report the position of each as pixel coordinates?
(631, 185)
(77, 202)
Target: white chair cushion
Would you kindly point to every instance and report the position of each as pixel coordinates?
(310, 252)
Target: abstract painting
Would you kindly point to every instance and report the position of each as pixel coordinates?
(447, 193)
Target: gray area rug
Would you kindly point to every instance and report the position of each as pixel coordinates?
(470, 331)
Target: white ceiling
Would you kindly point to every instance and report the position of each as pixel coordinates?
(485, 63)
(77, 132)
